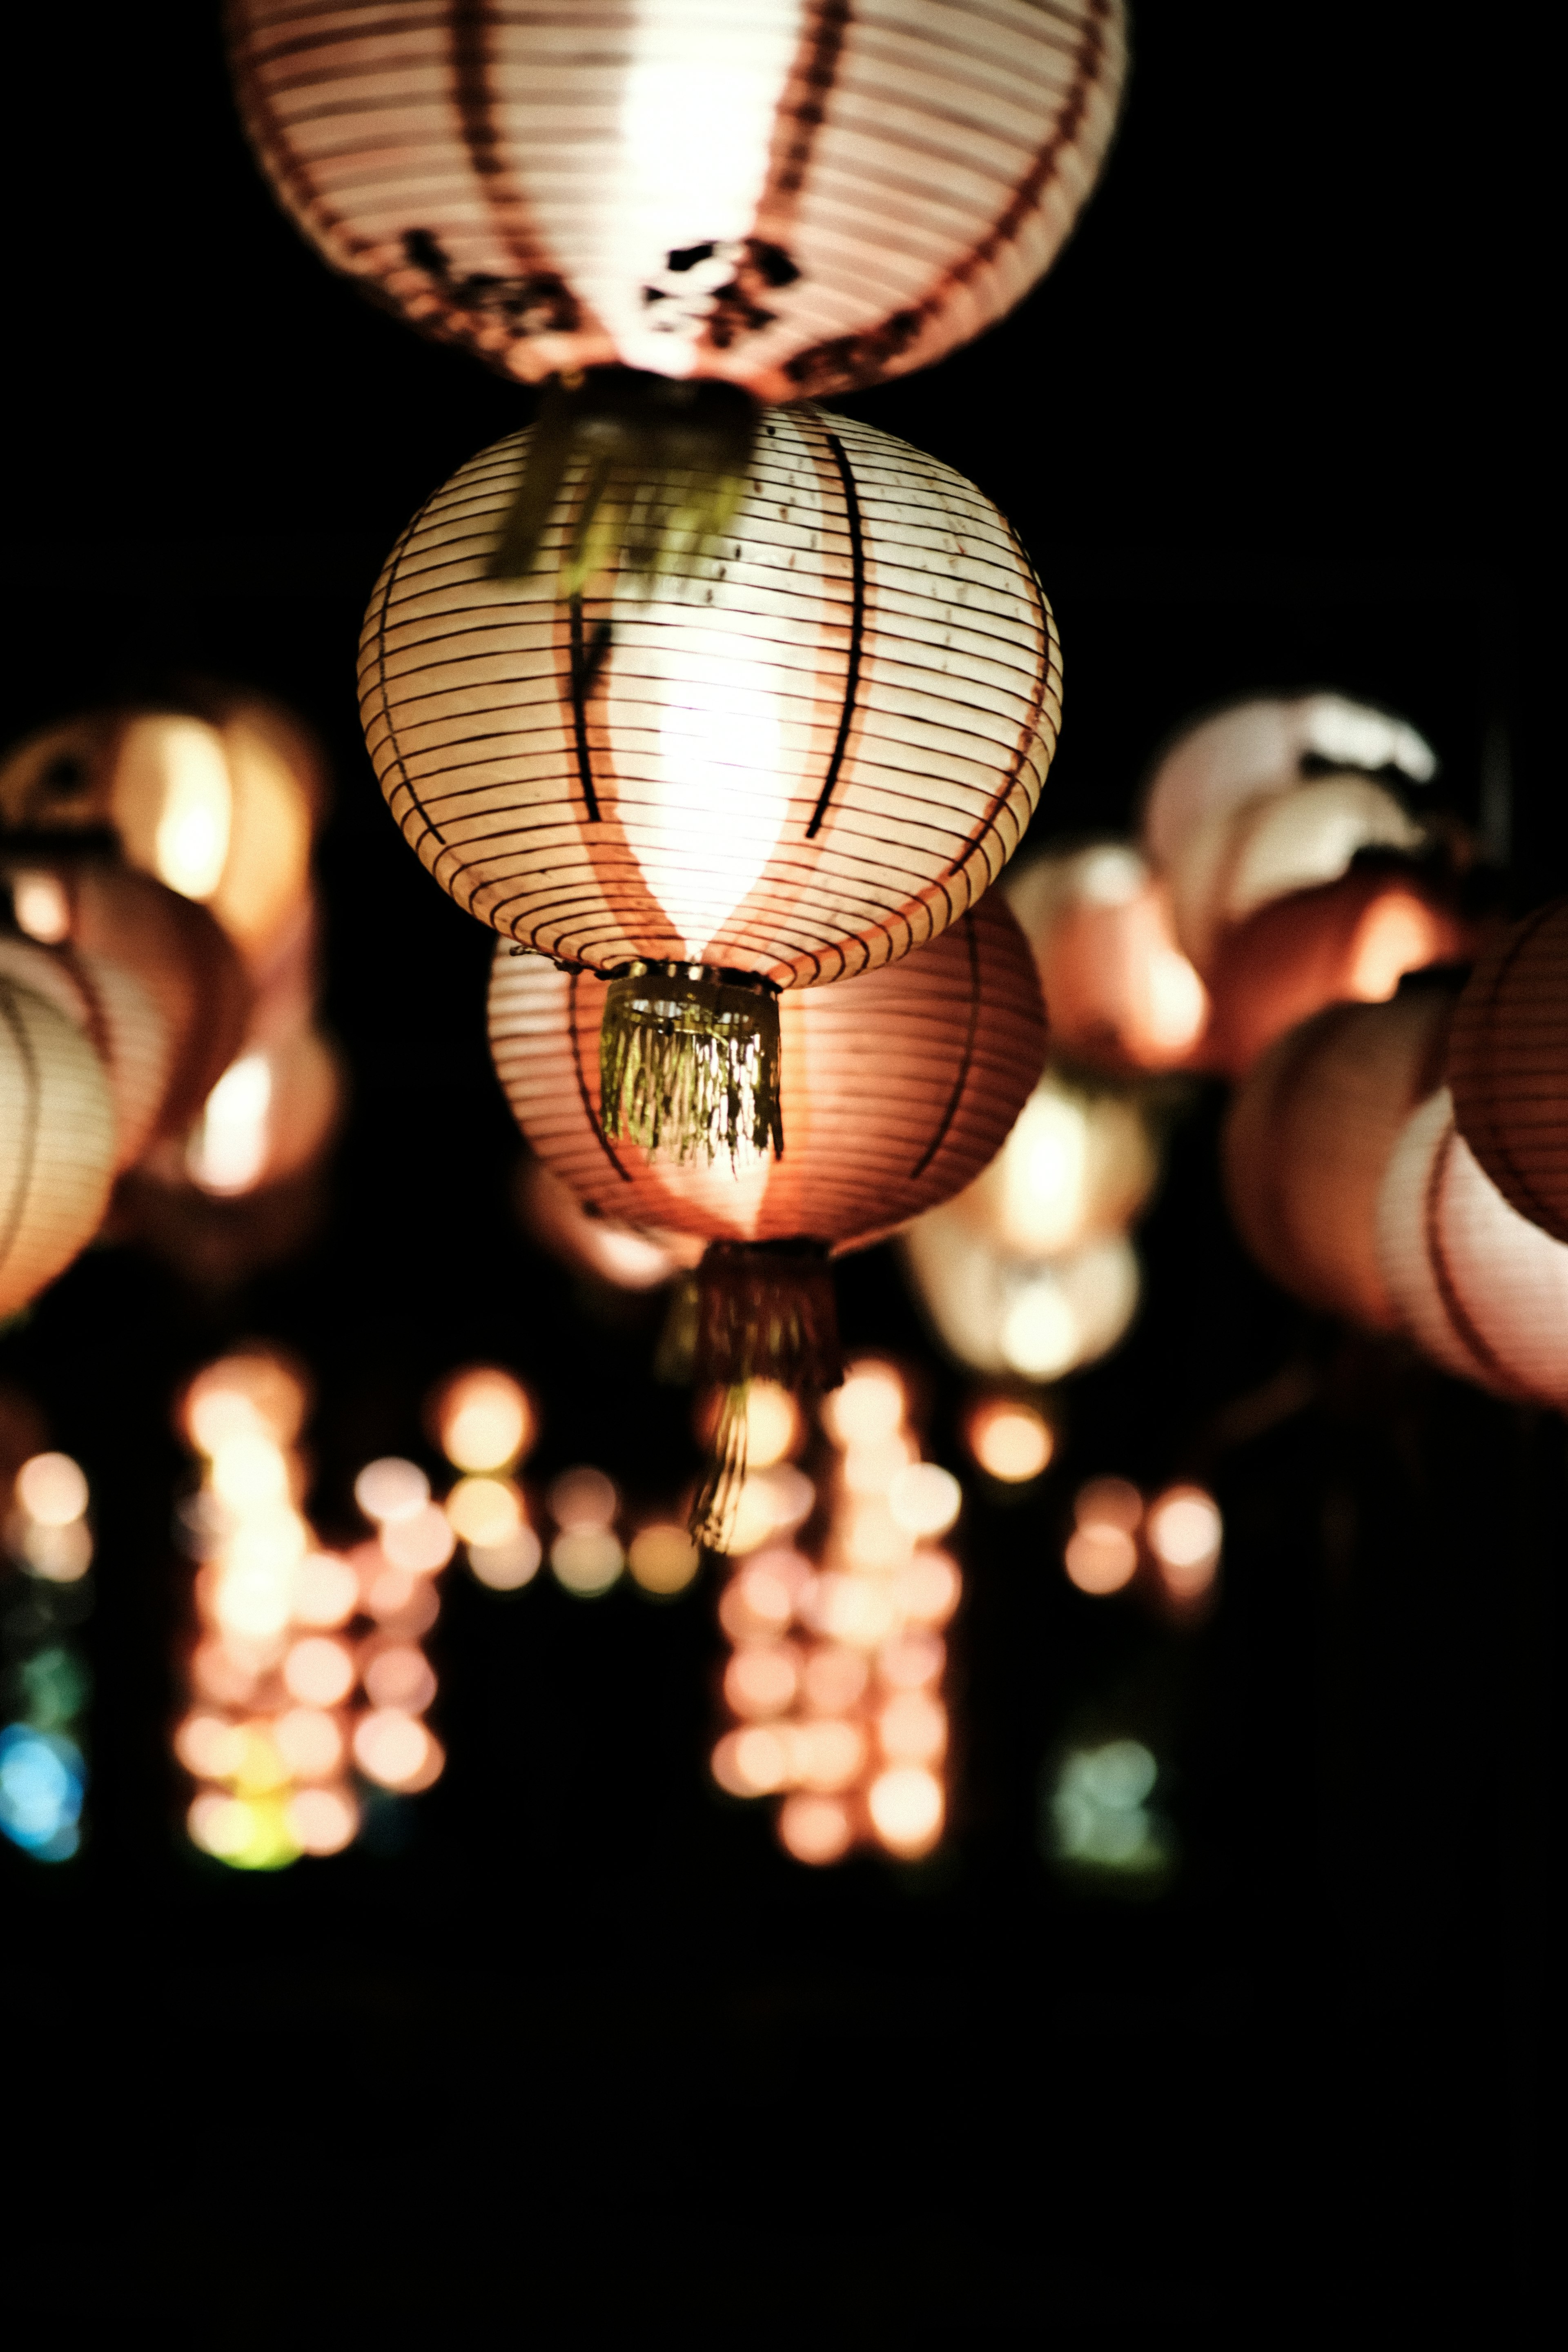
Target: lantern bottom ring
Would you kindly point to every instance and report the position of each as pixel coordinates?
(688, 1061)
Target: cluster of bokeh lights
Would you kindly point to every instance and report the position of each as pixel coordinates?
(834, 1679)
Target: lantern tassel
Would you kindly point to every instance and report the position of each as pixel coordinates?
(765, 1310)
(664, 464)
(688, 1061)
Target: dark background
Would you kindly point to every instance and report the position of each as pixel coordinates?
(585, 2042)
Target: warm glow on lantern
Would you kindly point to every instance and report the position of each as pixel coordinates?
(228, 1150)
(176, 766)
(41, 907)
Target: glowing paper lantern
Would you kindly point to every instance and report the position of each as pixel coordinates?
(1120, 992)
(219, 801)
(57, 1143)
(1262, 748)
(792, 195)
(1041, 1318)
(1310, 1138)
(1079, 1164)
(173, 948)
(785, 762)
(1350, 941)
(606, 1248)
(1478, 1286)
(115, 1013)
(1508, 1066)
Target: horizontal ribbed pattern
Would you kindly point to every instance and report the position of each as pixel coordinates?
(897, 1088)
(57, 1143)
(119, 1020)
(1481, 1289)
(797, 194)
(1310, 1138)
(801, 755)
(1508, 1066)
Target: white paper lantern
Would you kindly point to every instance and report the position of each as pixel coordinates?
(1478, 1288)
(1037, 1318)
(119, 1020)
(791, 195)
(57, 1143)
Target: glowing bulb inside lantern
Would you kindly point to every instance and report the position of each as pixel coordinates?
(180, 767)
(227, 1151)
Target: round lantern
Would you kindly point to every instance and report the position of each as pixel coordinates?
(1245, 856)
(896, 1088)
(57, 1143)
(785, 761)
(1353, 941)
(792, 195)
(1310, 1138)
(219, 801)
(1478, 1288)
(1267, 747)
(1038, 1318)
(173, 948)
(604, 1247)
(272, 1113)
(117, 1017)
(1121, 994)
(1508, 1066)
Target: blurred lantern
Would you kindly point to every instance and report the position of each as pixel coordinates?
(218, 801)
(1481, 1289)
(57, 1143)
(1079, 1164)
(119, 1020)
(1037, 1317)
(1508, 1066)
(604, 1247)
(789, 761)
(896, 1087)
(1120, 992)
(172, 948)
(790, 198)
(834, 1681)
(1310, 1138)
(1262, 748)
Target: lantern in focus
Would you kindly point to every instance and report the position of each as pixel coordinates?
(785, 762)
(1262, 748)
(1120, 992)
(702, 209)
(1310, 1138)
(1480, 1289)
(1350, 941)
(896, 1088)
(219, 801)
(1508, 1066)
(57, 1143)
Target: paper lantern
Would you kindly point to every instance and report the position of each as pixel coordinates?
(1265, 848)
(1508, 1066)
(1039, 1318)
(271, 1114)
(896, 1087)
(57, 1143)
(1121, 994)
(1077, 1165)
(173, 948)
(1266, 746)
(1353, 941)
(1310, 1138)
(119, 1020)
(1478, 1288)
(604, 1247)
(786, 762)
(793, 196)
(219, 801)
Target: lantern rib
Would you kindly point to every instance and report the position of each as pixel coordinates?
(857, 632)
(1442, 1273)
(26, 1156)
(584, 670)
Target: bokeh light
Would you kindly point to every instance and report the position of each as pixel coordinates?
(397, 1750)
(42, 1782)
(1099, 1560)
(484, 1420)
(588, 1560)
(583, 1498)
(1011, 1440)
(772, 1423)
(761, 1681)
(507, 1565)
(1098, 1815)
(1110, 1503)
(1185, 1532)
(399, 1677)
(420, 1543)
(868, 1406)
(663, 1558)
(912, 1728)
(907, 1809)
(814, 1828)
(484, 1510)
(392, 1489)
(924, 1499)
(319, 1671)
(52, 1490)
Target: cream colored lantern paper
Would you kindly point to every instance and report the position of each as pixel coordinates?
(785, 761)
(57, 1143)
(793, 195)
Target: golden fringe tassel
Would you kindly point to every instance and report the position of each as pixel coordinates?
(667, 462)
(688, 1061)
(765, 1310)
